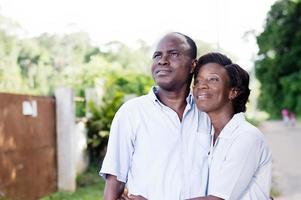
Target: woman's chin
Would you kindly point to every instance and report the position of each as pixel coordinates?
(203, 108)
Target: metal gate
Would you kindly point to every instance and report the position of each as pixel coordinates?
(28, 168)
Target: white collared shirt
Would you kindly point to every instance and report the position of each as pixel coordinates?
(240, 163)
(157, 155)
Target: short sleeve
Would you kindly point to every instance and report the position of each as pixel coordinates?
(120, 147)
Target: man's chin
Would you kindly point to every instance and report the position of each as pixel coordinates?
(166, 86)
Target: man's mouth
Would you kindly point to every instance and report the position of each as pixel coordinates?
(163, 72)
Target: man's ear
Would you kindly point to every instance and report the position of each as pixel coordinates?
(194, 62)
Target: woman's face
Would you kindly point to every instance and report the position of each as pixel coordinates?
(211, 89)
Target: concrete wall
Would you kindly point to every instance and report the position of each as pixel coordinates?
(71, 141)
(65, 131)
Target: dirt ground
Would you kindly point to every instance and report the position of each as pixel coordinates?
(284, 142)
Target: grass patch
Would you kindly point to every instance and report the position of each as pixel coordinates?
(89, 187)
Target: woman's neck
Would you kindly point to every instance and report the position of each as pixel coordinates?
(219, 119)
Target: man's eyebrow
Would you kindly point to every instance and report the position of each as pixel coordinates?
(172, 50)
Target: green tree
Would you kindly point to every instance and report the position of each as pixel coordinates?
(48, 61)
(10, 74)
(278, 67)
(131, 58)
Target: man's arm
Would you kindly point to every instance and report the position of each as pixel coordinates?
(120, 150)
(113, 188)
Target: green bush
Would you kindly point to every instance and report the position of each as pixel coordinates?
(117, 86)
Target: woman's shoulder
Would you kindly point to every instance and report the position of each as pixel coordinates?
(249, 132)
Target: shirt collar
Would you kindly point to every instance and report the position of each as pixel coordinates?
(189, 99)
(234, 122)
(152, 96)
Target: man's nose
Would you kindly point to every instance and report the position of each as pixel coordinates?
(163, 60)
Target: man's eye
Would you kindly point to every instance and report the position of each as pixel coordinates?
(156, 56)
(174, 54)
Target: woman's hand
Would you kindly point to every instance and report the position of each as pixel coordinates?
(126, 196)
(136, 197)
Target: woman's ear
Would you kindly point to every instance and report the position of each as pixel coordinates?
(234, 92)
(194, 62)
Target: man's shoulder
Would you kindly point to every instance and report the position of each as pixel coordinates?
(137, 100)
(134, 103)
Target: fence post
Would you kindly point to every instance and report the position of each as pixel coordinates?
(65, 128)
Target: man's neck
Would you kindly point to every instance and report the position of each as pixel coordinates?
(176, 100)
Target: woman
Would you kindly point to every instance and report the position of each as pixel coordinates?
(239, 159)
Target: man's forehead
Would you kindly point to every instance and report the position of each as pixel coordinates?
(175, 41)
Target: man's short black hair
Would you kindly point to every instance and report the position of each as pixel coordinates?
(193, 48)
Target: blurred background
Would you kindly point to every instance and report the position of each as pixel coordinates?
(100, 52)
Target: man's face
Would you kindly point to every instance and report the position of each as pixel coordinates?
(172, 63)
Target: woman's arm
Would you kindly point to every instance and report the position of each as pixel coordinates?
(210, 197)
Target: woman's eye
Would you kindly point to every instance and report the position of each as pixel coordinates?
(198, 82)
(213, 79)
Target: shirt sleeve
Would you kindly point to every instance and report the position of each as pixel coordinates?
(238, 167)
(120, 147)
(260, 186)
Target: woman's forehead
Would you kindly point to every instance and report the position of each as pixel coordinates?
(213, 68)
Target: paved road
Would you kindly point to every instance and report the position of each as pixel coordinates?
(285, 144)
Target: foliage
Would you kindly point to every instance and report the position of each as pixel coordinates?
(9, 49)
(130, 58)
(117, 87)
(89, 187)
(253, 121)
(279, 65)
(274, 192)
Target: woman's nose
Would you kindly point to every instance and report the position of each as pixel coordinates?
(201, 84)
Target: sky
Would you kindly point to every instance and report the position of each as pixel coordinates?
(222, 23)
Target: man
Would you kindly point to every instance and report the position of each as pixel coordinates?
(159, 142)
